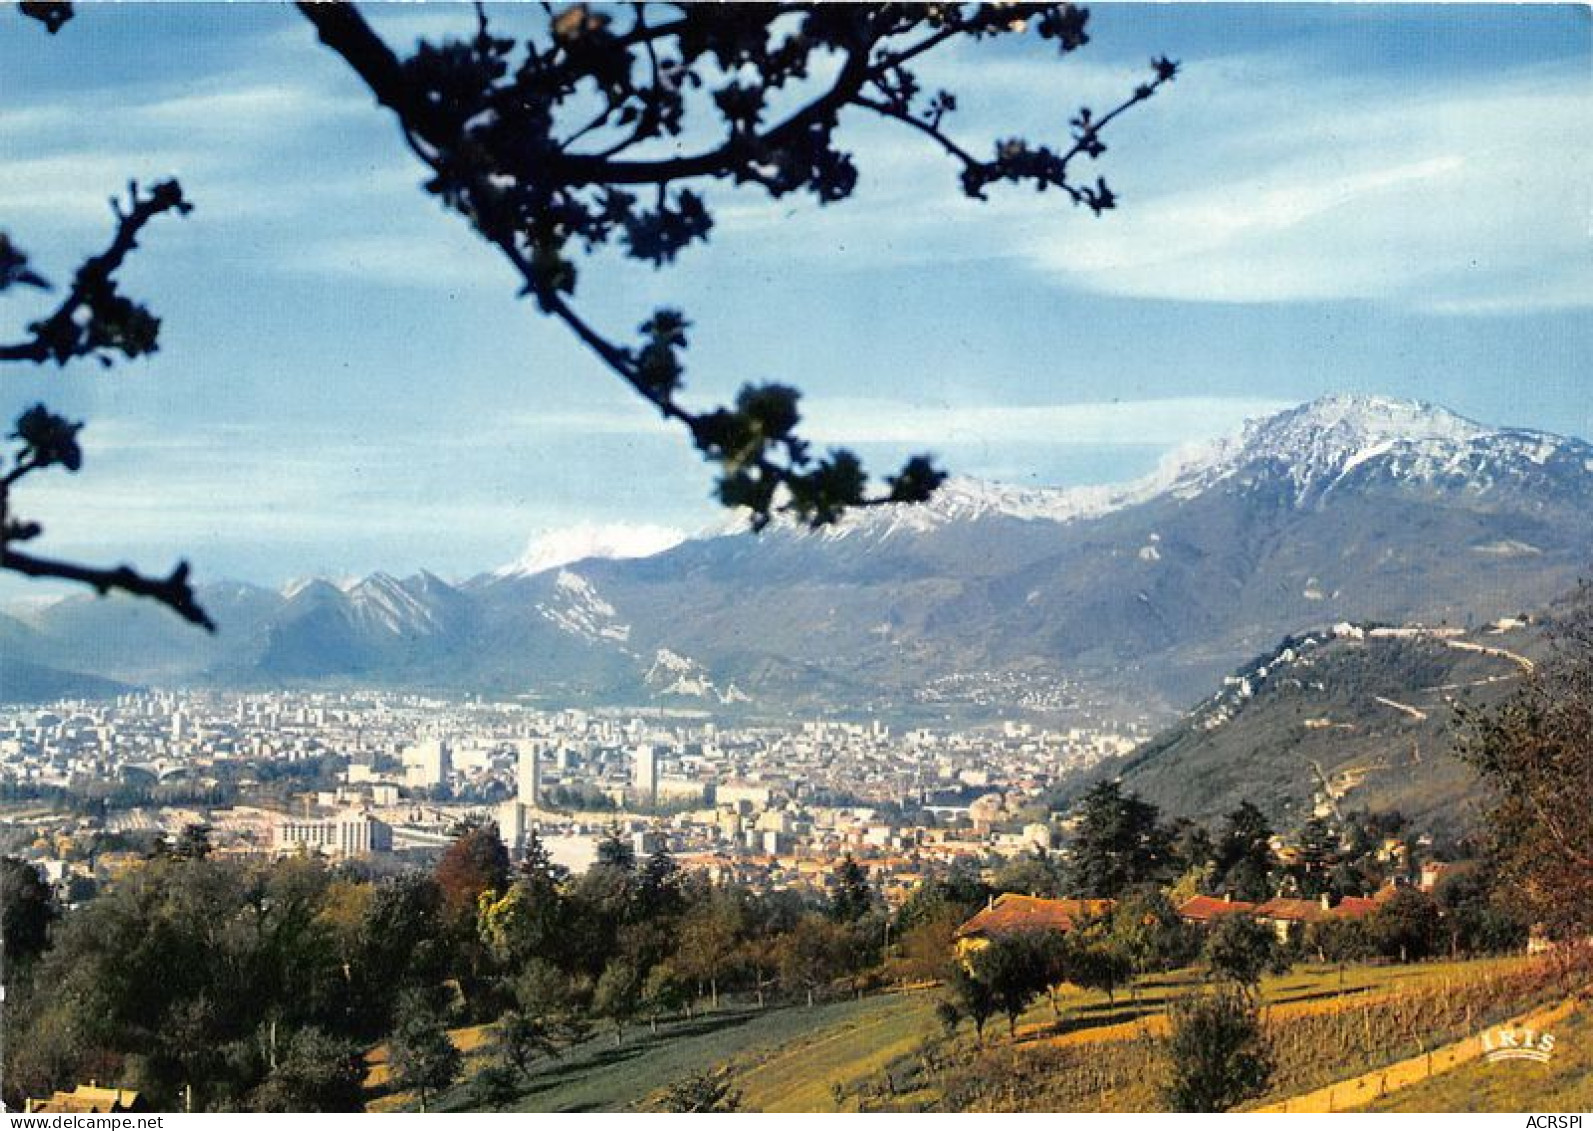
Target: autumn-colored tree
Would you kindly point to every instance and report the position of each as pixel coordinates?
(924, 951)
(475, 862)
(813, 954)
(1535, 754)
(707, 941)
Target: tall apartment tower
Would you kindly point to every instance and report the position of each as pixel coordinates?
(528, 772)
(645, 779)
(428, 763)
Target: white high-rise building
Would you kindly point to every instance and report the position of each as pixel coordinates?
(528, 772)
(645, 778)
(428, 763)
(512, 826)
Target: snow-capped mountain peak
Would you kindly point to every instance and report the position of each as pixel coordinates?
(1345, 431)
(1320, 445)
(414, 606)
(1313, 448)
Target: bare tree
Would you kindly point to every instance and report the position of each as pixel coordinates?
(548, 147)
(571, 140)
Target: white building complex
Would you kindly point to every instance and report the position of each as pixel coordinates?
(354, 833)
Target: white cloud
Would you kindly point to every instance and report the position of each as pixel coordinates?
(548, 549)
(1469, 201)
(1251, 180)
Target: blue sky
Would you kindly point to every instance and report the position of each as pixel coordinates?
(1329, 198)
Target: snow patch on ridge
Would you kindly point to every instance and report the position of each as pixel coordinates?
(579, 610)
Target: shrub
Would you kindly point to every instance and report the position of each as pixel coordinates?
(1217, 1055)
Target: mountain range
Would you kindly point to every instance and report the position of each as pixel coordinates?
(1122, 602)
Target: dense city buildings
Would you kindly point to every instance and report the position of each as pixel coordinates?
(374, 775)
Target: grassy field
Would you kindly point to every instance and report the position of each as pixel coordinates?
(1563, 1084)
(600, 1075)
(1308, 988)
(800, 1076)
(1319, 1036)
(883, 1053)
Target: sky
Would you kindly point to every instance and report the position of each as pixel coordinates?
(1330, 198)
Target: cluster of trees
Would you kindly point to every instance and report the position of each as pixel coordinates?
(231, 984)
(1121, 842)
(1141, 934)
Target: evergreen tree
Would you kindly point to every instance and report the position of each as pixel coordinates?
(193, 843)
(1317, 857)
(1118, 843)
(536, 867)
(615, 851)
(423, 1058)
(1244, 854)
(27, 908)
(658, 891)
(852, 897)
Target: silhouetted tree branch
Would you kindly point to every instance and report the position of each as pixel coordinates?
(567, 143)
(93, 320)
(539, 144)
(46, 440)
(53, 14)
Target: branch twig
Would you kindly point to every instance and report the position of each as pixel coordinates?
(172, 591)
(62, 336)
